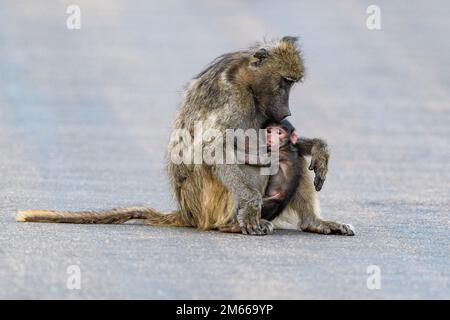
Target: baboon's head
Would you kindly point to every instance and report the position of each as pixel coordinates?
(273, 69)
(267, 70)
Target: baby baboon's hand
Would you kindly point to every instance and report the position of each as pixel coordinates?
(319, 163)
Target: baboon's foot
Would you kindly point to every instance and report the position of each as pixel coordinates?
(329, 227)
(257, 228)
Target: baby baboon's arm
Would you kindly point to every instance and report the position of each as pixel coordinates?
(318, 150)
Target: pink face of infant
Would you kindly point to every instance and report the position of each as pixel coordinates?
(285, 135)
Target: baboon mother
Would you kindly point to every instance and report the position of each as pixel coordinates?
(244, 90)
(240, 90)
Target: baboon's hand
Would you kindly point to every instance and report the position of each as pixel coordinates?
(252, 225)
(319, 163)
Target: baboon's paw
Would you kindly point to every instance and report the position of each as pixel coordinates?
(262, 228)
(341, 229)
(330, 227)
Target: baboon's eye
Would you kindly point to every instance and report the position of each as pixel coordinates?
(288, 81)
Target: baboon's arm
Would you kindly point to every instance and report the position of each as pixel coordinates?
(243, 186)
(318, 150)
(247, 197)
(305, 146)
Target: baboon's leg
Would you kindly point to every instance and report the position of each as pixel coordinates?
(203, 200)
(306, 205)
(231, 225)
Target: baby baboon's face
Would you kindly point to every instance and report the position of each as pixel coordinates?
(285, 132)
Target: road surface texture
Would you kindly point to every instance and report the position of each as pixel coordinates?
(85, 117)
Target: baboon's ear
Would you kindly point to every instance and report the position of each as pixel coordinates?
(290, 39)
(260, 56)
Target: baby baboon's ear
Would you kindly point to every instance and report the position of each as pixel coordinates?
(260, 56)
(294, 137)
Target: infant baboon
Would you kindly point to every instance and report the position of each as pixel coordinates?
(281, 186)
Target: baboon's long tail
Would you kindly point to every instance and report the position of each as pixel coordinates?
(113, 216)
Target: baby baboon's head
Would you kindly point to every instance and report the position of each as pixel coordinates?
(287, 135)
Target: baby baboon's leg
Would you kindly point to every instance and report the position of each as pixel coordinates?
(306, 204)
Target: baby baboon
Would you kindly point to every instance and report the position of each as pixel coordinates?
(281, 186)
(240, 90)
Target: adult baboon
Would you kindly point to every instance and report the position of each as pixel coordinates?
(239, 90)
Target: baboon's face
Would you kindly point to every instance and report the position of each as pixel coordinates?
(275, 70)
(272, 96)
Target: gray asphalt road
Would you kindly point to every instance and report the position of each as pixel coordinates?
(84, 123)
